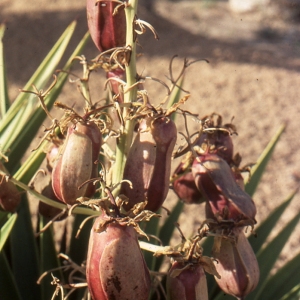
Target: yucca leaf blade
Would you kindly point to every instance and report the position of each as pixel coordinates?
(258, 170)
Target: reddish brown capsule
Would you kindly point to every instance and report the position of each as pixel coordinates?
(115, 266)
(186, 282)
(184, 183)
(148, 165)
(215, 180)
(76, 164)
(9, 195)
(218, 142)
(186, 189)
(237, 265)
(49, 211)
(107, 30)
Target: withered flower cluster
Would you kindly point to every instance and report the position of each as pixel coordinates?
(209, 172)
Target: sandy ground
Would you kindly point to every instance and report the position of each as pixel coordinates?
(253, 74)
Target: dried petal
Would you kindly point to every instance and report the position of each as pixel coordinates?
(115, 265)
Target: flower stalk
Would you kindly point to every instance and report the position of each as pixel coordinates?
(130, 93)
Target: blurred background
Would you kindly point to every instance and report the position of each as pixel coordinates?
(253, 75)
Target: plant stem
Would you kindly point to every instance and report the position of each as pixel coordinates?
(125, 139)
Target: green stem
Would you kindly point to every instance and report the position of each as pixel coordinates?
(125, 139)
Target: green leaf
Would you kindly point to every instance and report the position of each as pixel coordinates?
(167, 229)
(8, 286)
(283, 282)
(4, 100)
(258, 170)
(41, 75)
(268, 224)
(79, 246)
(22, 141)
(294, 294)
(48, 259)
(267, 256)
(24, 254)
(31, 165)
(6, 229)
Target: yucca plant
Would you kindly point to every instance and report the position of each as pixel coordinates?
(113, 162)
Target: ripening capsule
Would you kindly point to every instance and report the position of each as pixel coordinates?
(148, 165)
(76, 164)
(107, 30)
(184, 184)
(219, 142)
(237, 265)
(186, 283)
(9, 195)
(216, 181)
(115, 266)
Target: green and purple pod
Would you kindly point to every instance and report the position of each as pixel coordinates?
(115, 266)
(76, 163)
(148, 164)
(216, 181)
(107, 30)
(186, 282)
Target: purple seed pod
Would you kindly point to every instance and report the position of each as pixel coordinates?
(10, 197)
(46, 210)
(76, 164)
(148, 164)
(107, 30)
(184, 183)
(216, 181)
(237, 265)
(115, 266)
(217, 142)
(186, 282)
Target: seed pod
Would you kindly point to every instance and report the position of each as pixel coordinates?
(47, 210)
(186, 282)
(9, 195)
(186, 189)
(107, 30)
(115, 265)
(76, 163)
(164, 133)
(237, 265)
(148, 165)
(217, 142)
(215, 180)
